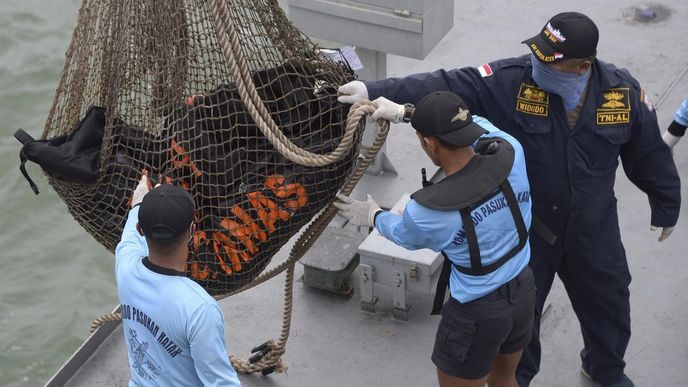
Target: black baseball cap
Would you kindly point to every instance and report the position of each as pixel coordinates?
(566, 35)
(445, 115)
(166, 212)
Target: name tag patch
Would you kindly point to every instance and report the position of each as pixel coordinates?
(532, 100)
(615, 107)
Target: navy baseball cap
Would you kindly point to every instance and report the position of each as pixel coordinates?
(166, 212)
(566, 35)
(446, 116)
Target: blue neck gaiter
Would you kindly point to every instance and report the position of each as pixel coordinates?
(566, 85)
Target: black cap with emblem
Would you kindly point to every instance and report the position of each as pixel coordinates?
(445, 115)
(566, 35)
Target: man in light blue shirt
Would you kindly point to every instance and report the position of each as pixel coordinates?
(479, 217)
(174, 330)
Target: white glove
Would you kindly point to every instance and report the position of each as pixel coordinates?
(358, 212)
(388, 110)
(140, 191)
(670, 139)
(666, 231)
(352, 92)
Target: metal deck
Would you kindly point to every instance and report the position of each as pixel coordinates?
(333, 343)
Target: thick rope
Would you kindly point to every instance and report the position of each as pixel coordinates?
(231, 45)
(272, 359)
(103, 319)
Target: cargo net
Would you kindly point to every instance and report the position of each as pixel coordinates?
(226, 99)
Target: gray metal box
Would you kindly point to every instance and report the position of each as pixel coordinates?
(383, 262)
(421, 266)
(402, 27)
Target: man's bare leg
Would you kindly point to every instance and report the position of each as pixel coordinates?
(503, 372)
(447, 380)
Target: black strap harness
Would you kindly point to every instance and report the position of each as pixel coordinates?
(479, 181)
(477, 267)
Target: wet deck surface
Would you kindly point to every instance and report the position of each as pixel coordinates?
(333, 343)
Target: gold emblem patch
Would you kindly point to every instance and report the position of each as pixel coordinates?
(532, 100)
(463, 115)
(533, 93)
(615, 107)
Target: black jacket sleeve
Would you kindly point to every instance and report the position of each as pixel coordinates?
(488, 93)
(466, 82)
(648, 163)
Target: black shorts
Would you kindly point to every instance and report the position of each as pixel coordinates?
(471, 335)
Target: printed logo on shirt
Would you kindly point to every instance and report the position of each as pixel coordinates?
(532, 100)
(131, 313)
(142, 363)
(487, 209)
(615, 107)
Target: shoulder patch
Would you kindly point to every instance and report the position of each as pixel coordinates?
(644, 98)
(485, 70)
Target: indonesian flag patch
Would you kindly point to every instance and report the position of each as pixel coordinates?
(485, 70)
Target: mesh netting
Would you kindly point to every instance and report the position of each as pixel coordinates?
(169, 75)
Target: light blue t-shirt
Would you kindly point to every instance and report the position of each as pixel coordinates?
(421, 227)
(681, 116)
(174, 330)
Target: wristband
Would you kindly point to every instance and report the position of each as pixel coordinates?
(676, 129)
